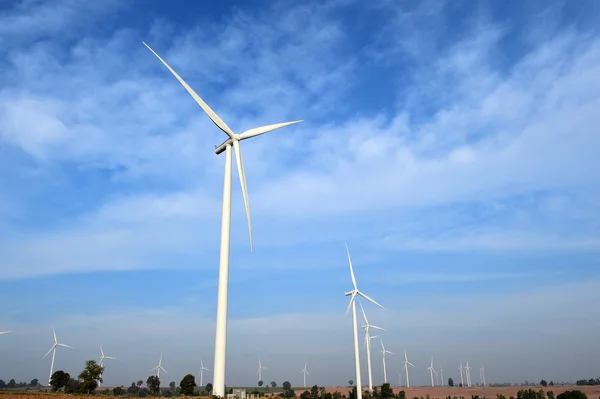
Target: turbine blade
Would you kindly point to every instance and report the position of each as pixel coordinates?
(368, 298)
(351, 270)
(240, 168)
(257, 131)
(109, 357)
(163, 369)
(412, 364)
(211, 114)
(101, 351)
(4, 332)
(363, 312)
(66, 346)
(377, 328)
(54, 332)
(350, 304)
(47, 353)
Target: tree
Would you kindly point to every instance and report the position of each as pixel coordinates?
(12, 383)
(139, 383)
(34, 383)
(575, 394)
(305, 395)
(450, 382)
(187, 385)
(90, 376)
(386, 391)
(551, 383)
(118, 391)
(273, 384)
(260, 383)
(543, 383)
(350, 382)
(133, 389)
(2, 384)
(59, 380)
(314, 392)
(286, 385)
(72, 386)
(209, 388)
(153, 384)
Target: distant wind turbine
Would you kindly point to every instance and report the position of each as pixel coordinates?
(442, 374)
(352, 305)
(102, 359)
(202, 368)
(260, 369)
(383, 352)
(482, 375)
(368, 337)
(305, 372)
(406, 364)
(4, 332)
(468, 374)
(159, 367)
(53, 350)
(462, 382)
(432, 371)
(232, 144)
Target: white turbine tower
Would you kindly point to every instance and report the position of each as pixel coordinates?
(482, 375)
(442, 374)
(406, 364)
(383, 352)
(352, 305)
(432, 371)
(462, 381)
(305, 372)
(202, 368)
(368, 337)
(231, 144)
(468, 374)
(102, 359)
(159, 367)
(260, 369)
(53, 350)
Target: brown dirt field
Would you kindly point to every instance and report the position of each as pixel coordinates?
(592, 392)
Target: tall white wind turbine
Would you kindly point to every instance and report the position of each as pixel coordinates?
(442, 374)
(202, 369)
(468, 374)
(368, 337)
(102, 359)
(260, 369)
(305, 372)
(431, 371)
(462, 382)
(482, 375)
(406, 364)
(231, 144)
(53, 350)
(354, 292)
(159, 367)
(383, 352)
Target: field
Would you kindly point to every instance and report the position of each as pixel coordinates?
(592, 392)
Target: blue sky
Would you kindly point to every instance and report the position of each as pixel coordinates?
(452, 144)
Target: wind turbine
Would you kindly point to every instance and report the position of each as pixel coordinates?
(442, 374)
(462, 382)
(202, 368)
(368, 337)
(383, 352)
(260, 369)
(468, 374)
(431, 371)
(352, 305)
(231, 144)
(4, 332)
(102, 359)
(159, 367)
(406, 364)
(53, 350)
(482, 375)
(305, 372)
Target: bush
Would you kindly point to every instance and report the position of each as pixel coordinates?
(575, 394)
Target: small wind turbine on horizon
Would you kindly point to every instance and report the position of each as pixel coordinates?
(305, 372)
(462, 382)
(260, 369)
(53, 350)
(432, 371)
(159, 367)
(202, 368)
(383, 352)
(406, 364)
(468, 374)
(231, 144)
(482, 375)
(352, 305)
(368, 338)
(442, 374)
(102, 359)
